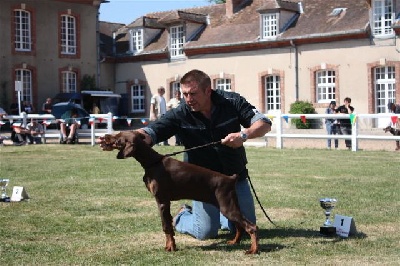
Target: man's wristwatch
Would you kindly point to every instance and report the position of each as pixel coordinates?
(243, 136)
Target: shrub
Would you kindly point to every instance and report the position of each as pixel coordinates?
(301, 107)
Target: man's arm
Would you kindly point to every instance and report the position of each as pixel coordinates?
(256, 130)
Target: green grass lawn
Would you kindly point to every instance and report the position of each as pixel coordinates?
(89, 208)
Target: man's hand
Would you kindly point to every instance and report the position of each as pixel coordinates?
(233, 140)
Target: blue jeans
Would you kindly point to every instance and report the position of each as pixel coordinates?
(331, 129)
(205, 220)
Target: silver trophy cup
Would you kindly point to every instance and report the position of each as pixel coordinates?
(3, 186)
(327, 204)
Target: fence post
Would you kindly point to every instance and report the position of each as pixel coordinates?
(109, 123)
(279, 142)
(92, 135)
(24, 119)
(354, 134)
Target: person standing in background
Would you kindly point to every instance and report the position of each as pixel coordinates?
(331, 125)
(158, 107)
(345, 124)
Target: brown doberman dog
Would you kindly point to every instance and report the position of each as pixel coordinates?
(169, 180)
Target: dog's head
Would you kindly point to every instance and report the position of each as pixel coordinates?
(394, 131)
(125, 142)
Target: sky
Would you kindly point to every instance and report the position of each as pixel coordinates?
(126, 11)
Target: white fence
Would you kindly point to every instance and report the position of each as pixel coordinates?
(48, 119)
(278, 124)
(280, 135)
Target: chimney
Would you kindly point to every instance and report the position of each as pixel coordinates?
(231, 6)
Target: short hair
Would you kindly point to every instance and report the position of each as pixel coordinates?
(197, 76)
(347, 99)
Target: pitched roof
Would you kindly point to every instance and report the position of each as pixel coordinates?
(243, 28)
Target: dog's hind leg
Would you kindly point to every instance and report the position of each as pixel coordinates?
(166, 220)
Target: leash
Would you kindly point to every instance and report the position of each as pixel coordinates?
(248, 177)
(259, 203)
(194, 148)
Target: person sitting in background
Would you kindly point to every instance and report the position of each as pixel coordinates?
(95, 109)
(47, 106)
(68, 120)
(35, 132)
(19, 134)
(27, 107)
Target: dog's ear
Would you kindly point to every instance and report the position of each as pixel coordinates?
(125, 147)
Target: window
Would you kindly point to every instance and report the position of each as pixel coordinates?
(136, 41)
(383, 16)
(272, 89)
(68, 35)
(69, 83)
(223, 84)
(137, 96)
(23, 35)
(175, 86)
(325, 84)
(385, 87)
(177, 40)
(269, 26)
(25, 76)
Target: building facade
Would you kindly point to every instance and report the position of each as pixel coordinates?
(47, 45)
(272, 52)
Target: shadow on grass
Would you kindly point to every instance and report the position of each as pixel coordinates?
(276, 233)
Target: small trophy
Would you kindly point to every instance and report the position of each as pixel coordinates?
(3, 185)
(327, 204)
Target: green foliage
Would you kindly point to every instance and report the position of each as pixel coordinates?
(301, 107)
(88, 208)
(88, 82)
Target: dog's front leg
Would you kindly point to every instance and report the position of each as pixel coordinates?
(166, 220)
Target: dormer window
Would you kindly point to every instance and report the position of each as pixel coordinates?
(177, 40)
(269, 28)
(136, 40)
(337, 11)
(382, 17)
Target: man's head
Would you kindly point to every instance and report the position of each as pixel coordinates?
(196, 90)
(347, 100)
(48, 100)
(161, 91)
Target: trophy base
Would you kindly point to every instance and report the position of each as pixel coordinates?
(6, 199)
(327, 230)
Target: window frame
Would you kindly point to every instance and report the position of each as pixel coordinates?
(136, 40)
(176, 41)
(224, 84)
(68, 35)
(273, 101)
(140, 98)
(327, 88)
(382, 20)
(26, 76)
(69, 81)
(22, 35)
(384, 84)
(270, 31)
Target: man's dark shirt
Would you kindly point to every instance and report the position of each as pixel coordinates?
(343, 110)
(230, 112)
